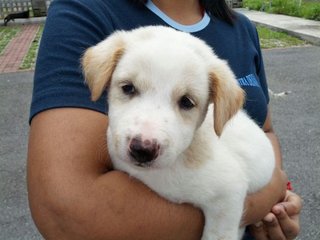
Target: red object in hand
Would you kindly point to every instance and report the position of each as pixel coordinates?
(289, 186)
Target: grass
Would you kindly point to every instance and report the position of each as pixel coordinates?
(274, 39)
(6, 34)
(30, 59)
(309, 9)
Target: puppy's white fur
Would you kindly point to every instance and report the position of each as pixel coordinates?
(210, 155)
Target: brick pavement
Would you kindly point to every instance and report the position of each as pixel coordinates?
(17, 48)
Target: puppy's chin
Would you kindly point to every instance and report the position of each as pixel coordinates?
(154, 164)
(148, 165)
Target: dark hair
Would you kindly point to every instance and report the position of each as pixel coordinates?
(217, 8)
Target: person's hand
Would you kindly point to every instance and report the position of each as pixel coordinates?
(282, 222)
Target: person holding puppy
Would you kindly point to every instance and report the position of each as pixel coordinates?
(73, 191)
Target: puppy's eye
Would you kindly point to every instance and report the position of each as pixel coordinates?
(186, 103)
(128, 89)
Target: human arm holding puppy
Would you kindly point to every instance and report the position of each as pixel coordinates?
(73, 191)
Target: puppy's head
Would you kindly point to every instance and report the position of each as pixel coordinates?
(160, 82)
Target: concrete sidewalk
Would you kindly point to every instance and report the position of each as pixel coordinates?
(305, 29)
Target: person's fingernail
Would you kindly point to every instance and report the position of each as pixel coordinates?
(258, 224)
(268, 219)
(277, 209)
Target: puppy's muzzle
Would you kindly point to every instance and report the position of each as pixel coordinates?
(143, 152)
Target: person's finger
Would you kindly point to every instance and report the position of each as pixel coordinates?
(289, 225)
(258, 232)
(292, 203)
(273, 228)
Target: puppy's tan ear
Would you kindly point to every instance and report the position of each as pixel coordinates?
(227, 95)
(100, 61)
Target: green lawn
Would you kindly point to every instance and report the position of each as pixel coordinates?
(6, 34)
(273, 39)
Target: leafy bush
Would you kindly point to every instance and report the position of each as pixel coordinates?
(254, 4)
(288, 7)
(311, 10)
(308, 9)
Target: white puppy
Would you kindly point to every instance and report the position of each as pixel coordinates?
(161, 84)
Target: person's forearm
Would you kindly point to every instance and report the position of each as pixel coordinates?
(115, 206)
(142, 213)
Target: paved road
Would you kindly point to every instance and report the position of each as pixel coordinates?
(296, 120)
(15, 95)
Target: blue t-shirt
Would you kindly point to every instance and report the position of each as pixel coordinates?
(74, 25)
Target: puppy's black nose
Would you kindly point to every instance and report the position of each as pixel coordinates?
(143, 151)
